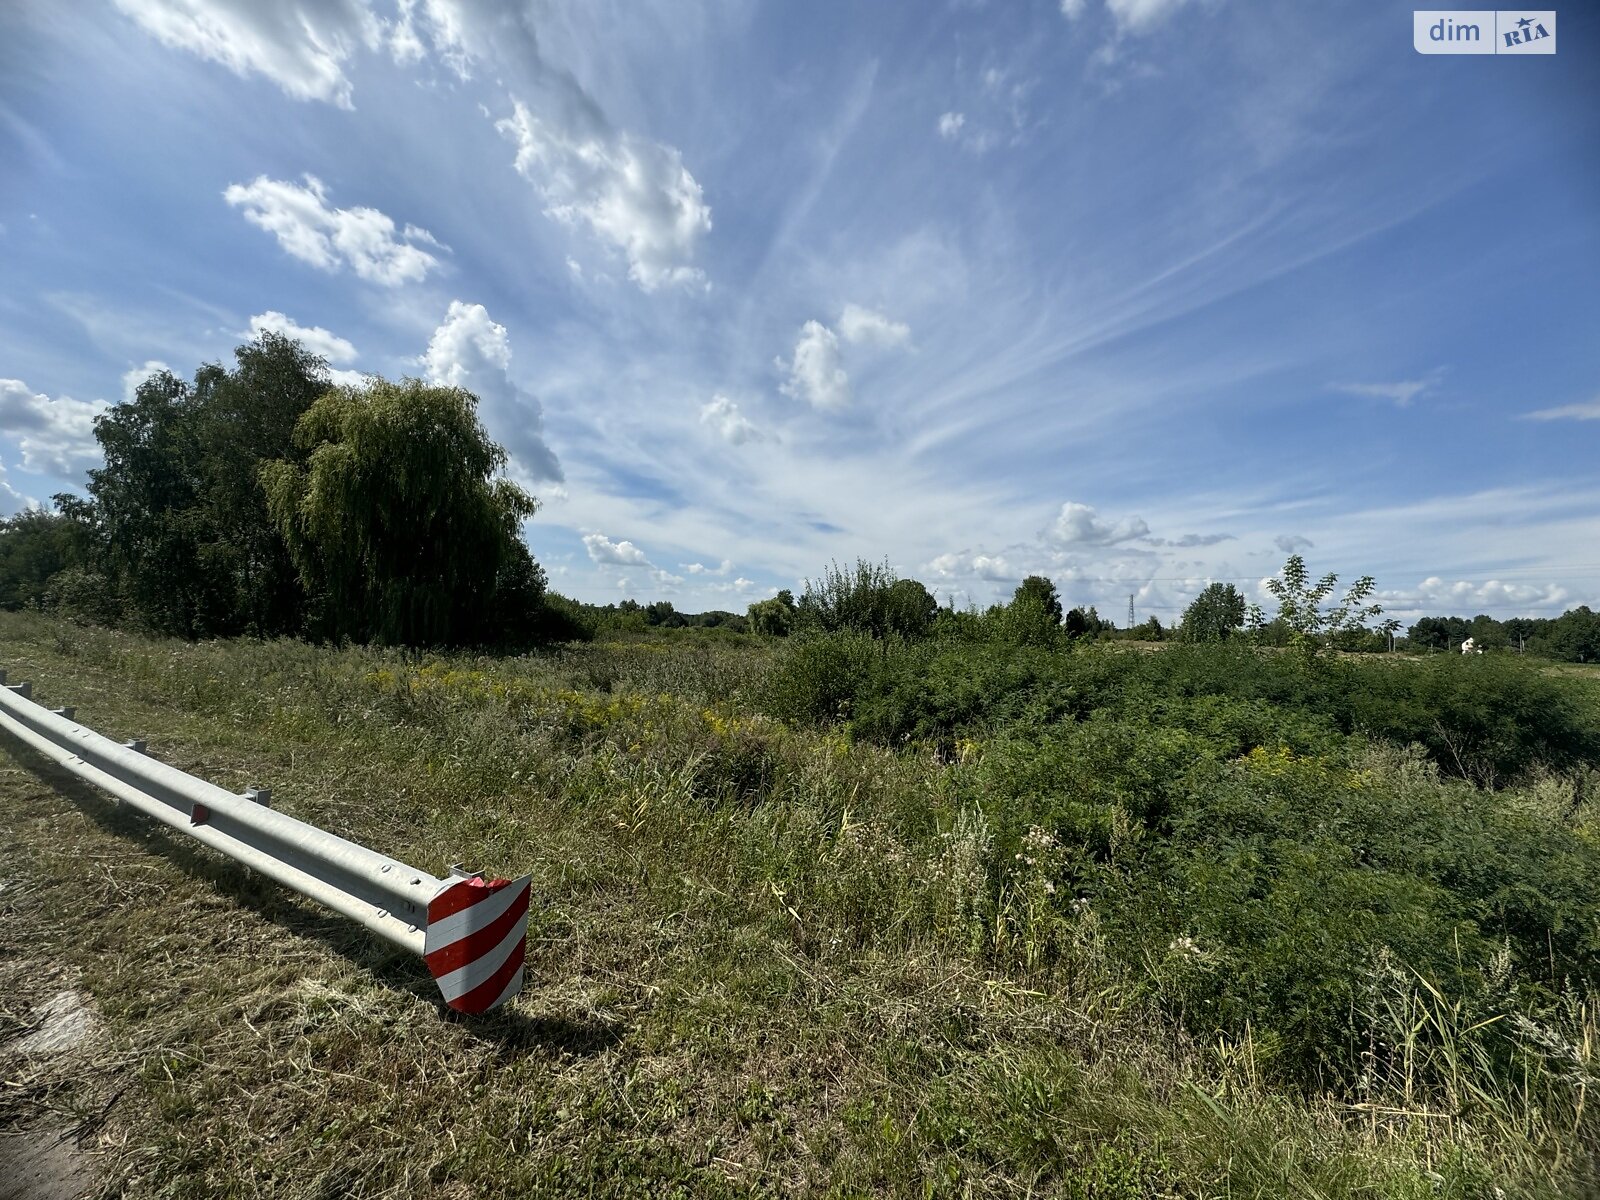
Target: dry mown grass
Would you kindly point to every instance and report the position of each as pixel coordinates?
(708, 1011)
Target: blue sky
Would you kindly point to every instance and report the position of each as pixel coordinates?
(1134, 293)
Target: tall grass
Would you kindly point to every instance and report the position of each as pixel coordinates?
(1219, 924)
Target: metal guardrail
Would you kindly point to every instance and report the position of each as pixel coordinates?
(472, 933)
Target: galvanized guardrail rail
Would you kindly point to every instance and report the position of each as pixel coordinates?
(471, 932)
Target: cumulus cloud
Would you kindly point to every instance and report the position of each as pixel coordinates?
(54, 435)
(621, 554)
(1072, 9)
(631, 193)
(1589, 411)
(302, 47)
(815, 373)
(1080, 525)
(950, 125)
(469, 350)
(1465, 597)
(314, 338)
(1292, 543)
(1402, 392)
(134, 376)
(862, 325)
(695, 568)
(723, 415)
(965, 565)
(312, 230)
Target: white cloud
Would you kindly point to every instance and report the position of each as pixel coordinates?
(134, 376)
(469, 350)
(1189, 541)
(859, 324)
(1589, 411)
(1402, 391)
(329, 238)
(723, 415)
(314, 338)
(1292, 543)
(1435, 596)
(302, 47)
(964, 565)
(950, 125)
(1072, 9)
(1080, 525)
(623, 554)
(56, 436)
(815, 372)
(632, 193)
(1135, 16)
(11, 500)
(695, 568)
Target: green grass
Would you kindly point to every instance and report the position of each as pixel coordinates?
(771, 957)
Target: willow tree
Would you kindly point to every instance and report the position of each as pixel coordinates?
(398, 522)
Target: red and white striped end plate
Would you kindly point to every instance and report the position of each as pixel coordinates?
(476, 940)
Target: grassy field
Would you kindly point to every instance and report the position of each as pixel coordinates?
(1102, 944)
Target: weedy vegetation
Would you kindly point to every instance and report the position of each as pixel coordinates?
(846, 912)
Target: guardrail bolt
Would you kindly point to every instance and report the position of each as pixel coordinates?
(66, 711)
(261, 795)
(137, 745)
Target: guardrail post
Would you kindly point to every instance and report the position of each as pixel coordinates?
(470, 931)
(67, 712)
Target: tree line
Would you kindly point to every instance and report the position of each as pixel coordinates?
(262, 500)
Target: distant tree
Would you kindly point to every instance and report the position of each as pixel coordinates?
(1214, 615)
(1300, 607)
(177, 520)
(1149, 630)
(909, 609)
(1519, 629)
(1437, 634)
(1033, 618)
(869, 599)
(397, 523)
(658, 611)
(34, 546)
(1486, 632)
(773, 617)
(1040, 589)
(1574, 636)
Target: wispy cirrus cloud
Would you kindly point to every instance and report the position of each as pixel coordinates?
(1402, 391)
(1587, 410)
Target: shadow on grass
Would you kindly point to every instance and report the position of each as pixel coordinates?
(514, 1032)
